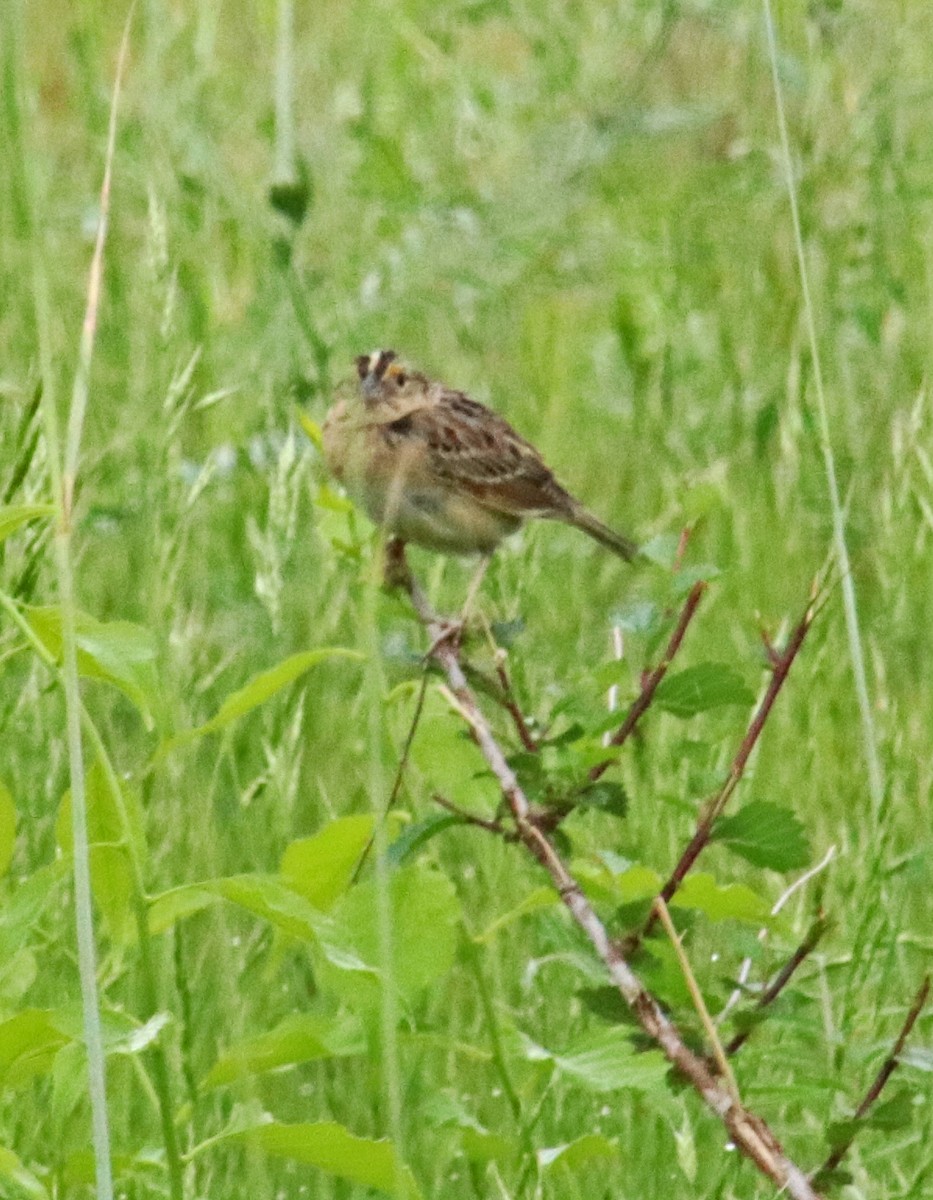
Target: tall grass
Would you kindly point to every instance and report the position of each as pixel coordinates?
(581, 215)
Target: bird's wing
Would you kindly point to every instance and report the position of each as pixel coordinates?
(472, 449)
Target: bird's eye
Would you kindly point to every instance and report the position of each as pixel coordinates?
(401, 378)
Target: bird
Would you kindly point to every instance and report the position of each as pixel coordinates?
(436, 468)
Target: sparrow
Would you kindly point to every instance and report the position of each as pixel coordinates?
(432, 466)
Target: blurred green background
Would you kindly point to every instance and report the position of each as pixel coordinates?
(579, 214)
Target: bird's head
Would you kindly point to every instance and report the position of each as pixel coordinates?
(383, 379)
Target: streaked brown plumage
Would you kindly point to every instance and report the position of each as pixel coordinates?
(438, 469)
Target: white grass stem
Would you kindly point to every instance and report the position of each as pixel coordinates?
(876, 783)
(63, 472)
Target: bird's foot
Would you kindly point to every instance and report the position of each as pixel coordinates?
(448, 631)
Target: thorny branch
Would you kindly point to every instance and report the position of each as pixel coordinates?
(749, 1132)
(780, 663)
(643, 700)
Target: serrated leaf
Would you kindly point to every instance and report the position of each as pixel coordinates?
(332, 1148)
(115, 652)
(701, 688)
(301, 1037)
(14, 516)
(321, 867)
(606, 1003)
(766, 835)
(734, 901)
(637, 882)
(424, 916)
(447, 756)
(607, 1061)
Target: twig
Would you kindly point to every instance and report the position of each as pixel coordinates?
(788, 892)
(650, 685)
(783, 977)
(400, 770)
(719, 1055)
(510, 704)
(748, 1132)
(783, 661)
(469, 818)
(888, 1067)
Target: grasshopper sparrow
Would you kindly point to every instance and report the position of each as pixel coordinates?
(438, 469)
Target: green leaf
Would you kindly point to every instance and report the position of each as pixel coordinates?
(483, 1146)
(734, 902)
(265, 685)
(842, 1133)
(301, 1037)
(590, 1148)
(417, 834)
(312, 429)
(894, 1114)
(447, 756)
(638, 617)
(607, 796)
(766, 835)
(113, 819)
(14, 516)
(445, 1111)
(606, 1061)
(661, 549)
(12, 1170)
(265, 896)
(7, 829)
(541, 897)
(685, 1144)
(424, 916)
(29, 1042)
(321, 867)
(24, 906)
(686, 577)
(918, 1057)
(700, 688)
(116, 652)
(333, 1149)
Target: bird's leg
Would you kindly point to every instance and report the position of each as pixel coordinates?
(396, 571)
(475, 584)
(453, 629)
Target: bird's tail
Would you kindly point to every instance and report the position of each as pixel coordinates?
(616, 542)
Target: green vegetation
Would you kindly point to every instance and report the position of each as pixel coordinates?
(579, 214)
